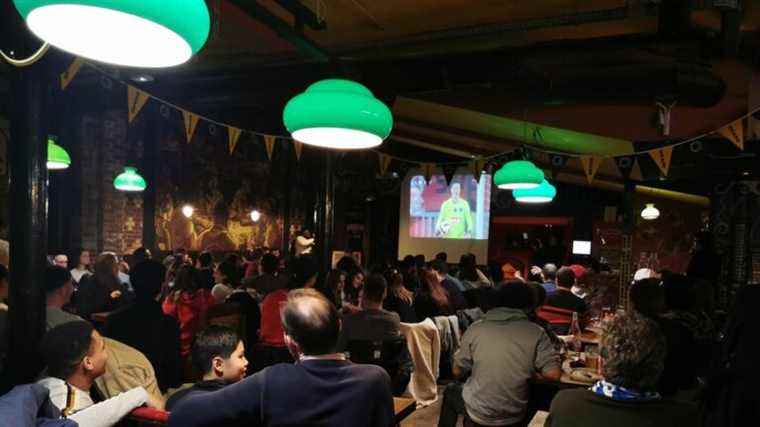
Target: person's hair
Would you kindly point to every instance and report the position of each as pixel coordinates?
(230, 271)
(565, 277)
(549, 271)
(211, 342)
(513, 294)
(269, 263)
(76, 254)
(396, 286)
(679, 292)
(186, 279)
(302, 269)
(147, 278)
(333, 279)
(64, 347)
(55, 278)
(468, 268)
(408, 262)
(311, 321)
(374, 288)
(431, 286)
(539, 294)
(347, 264)
(647, 297)
(205, 259)
(104, 270)
(441, 256)
(439, 266)
(350, 291)
(139, 255)
(419, 260)
(633, 349)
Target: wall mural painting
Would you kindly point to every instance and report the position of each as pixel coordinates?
(223, 190)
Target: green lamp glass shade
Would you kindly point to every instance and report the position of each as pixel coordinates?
(518, 174)
(137, 33)
(129, 180)
(57, 157)
(544, 193)
(339, 114)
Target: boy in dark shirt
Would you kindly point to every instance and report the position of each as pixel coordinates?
(219, 353)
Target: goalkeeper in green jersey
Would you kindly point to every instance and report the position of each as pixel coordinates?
(454, 220)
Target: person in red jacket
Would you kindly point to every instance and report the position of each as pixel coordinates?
(188, 303)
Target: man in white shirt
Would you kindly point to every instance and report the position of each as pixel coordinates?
(304, 243)
(75, 356)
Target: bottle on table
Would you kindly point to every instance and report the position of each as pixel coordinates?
(576, 344)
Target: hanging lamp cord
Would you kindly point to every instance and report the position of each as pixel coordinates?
(36, 56)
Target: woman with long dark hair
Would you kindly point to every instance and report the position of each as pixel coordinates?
(227, 277)
(81, 258)
(188, 303)
(333, 286)
(399, 299)
(432, 299)
(470, 275)
(102, 291)
(351, 291)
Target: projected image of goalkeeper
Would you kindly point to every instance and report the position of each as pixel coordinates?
(454, 219)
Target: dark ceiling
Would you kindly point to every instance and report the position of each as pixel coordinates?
(595, 66)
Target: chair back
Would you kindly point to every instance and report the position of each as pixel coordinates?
(558, 318)
(385, 354)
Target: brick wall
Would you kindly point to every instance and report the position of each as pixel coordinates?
(104, 151)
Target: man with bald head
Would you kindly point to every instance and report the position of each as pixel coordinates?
(322, 388)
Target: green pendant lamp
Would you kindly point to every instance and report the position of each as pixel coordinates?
(339, 114)
(135, 33)
(130, 181)
(518, 174)
(544, 193)
(57, 157)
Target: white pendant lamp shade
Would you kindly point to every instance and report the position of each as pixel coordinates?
(188, 211)
(255, 215)
(650, 212)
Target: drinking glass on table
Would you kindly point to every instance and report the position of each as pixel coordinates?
(593, 358)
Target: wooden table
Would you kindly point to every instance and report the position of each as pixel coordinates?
(403, 407)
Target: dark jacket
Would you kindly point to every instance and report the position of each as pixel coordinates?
(583, 408)
(404, 309)
(29, 405)
(314, 392)
(198, 388)
(144, 326)
(94, 297)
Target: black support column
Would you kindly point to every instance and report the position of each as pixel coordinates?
(28, 221)
(325, 219)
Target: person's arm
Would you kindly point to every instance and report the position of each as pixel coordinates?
(236, 402)
(547, 359)
(462, 363)
(109, 412)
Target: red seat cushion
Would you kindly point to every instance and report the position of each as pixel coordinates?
(555, 315)
(153, 415)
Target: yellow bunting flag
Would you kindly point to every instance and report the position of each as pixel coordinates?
(661, 157)
(590, 166)
(68, 75)
(233, 134)
(427, 170)
(477, 166)
(385, 161)
(136, 100)
(269, 144)
(734, 133)
(191, 121)
(298, 148)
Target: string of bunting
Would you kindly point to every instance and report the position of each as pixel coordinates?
(137, 98)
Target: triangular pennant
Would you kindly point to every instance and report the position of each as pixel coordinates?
(298, 148)
(191, 121)
(734, 133)
(68, 75)
(590, 166)
(269, 141)
(232, 137)
(427, 170)
(661, 157)
(448, 173)
(625, 166)
(476, 166)
(385, 161)
(558, 162)
(136, 99)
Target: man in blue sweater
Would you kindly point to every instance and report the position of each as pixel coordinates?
(322, 388)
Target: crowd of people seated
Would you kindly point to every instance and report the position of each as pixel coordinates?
(250, 340)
